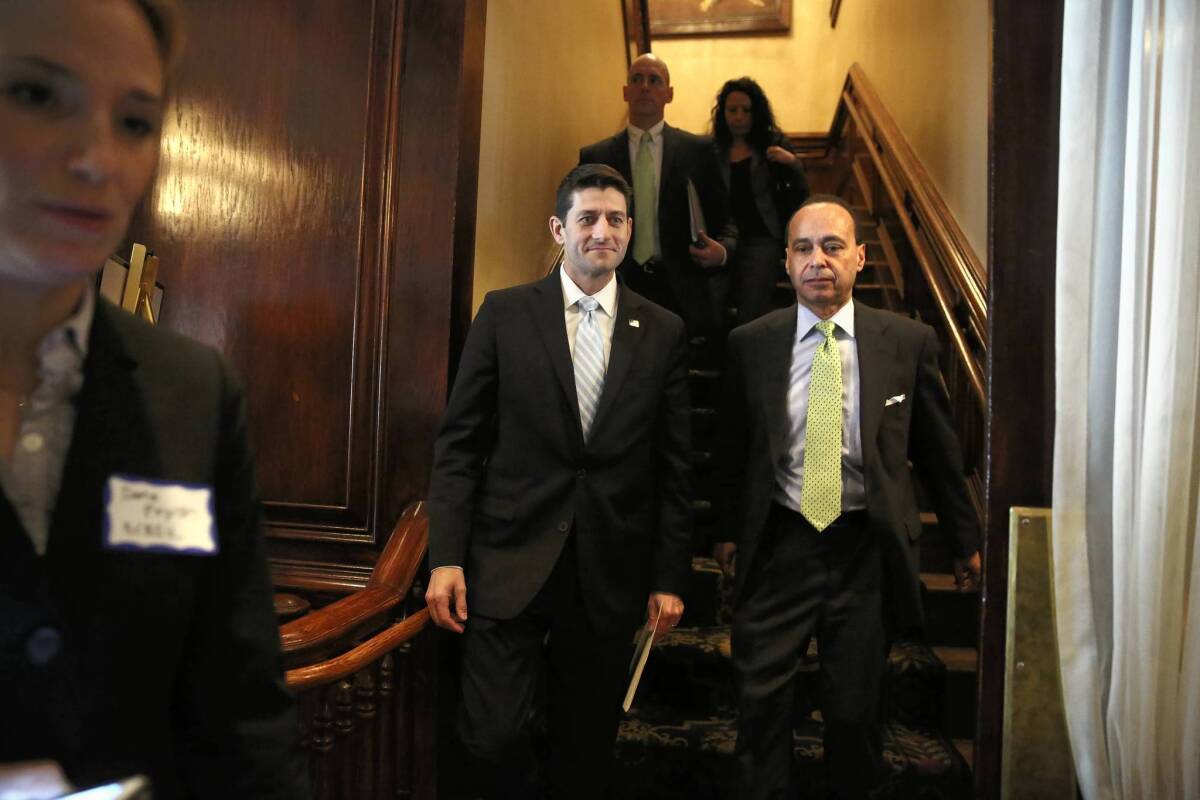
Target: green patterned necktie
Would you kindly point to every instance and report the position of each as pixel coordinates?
(645, 209)
(821, 494)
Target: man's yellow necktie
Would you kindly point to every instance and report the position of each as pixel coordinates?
(821, 494)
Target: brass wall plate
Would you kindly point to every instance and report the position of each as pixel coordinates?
(1036, 753)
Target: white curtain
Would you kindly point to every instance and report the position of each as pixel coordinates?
(1127, 361)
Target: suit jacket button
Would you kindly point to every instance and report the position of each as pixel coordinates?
(564, 526)
(581, 473)
(43, 646)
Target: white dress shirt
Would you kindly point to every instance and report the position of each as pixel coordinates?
(789, 475)
(31, 477)
(606, 314)
(656, 150)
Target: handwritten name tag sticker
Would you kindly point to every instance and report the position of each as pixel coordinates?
(159, 516)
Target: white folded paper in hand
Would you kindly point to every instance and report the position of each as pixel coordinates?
(641, 652)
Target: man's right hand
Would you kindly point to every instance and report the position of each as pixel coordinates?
(725, 554)
(446, 598)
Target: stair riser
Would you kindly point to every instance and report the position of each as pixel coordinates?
(958, 705)
(952, 618)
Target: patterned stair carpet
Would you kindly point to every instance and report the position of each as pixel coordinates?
(678, 740)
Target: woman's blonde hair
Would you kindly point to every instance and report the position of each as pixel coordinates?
(166, 21)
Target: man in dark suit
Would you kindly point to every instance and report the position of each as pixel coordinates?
(560, 500)
(136, 630)
(825, 404)
(664, 263)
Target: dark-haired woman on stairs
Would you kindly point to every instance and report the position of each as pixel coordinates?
(766, 184)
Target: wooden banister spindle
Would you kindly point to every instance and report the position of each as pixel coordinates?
(341, 761)
(322, 744)
(404, 724)
(385, 765)
(366, 751)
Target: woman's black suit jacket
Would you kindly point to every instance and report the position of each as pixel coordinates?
(116, 662)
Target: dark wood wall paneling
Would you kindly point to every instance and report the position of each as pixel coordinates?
(1023, 211)
(314, 214)
(261, 190)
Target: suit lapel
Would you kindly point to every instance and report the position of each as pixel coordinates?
(670, 146)
(870, 327)
(776, 371)
(111, 435)
(16, 549)
(552, 330)
(625, 341)
(620, 155)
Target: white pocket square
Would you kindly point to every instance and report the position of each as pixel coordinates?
(633, 323)
(891, 401)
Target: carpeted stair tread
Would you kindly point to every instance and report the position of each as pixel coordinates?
(689, 669)
(966, 748)
(914, 685)
(659, 757)
(663, 757)
(922, 763)
(958, 659)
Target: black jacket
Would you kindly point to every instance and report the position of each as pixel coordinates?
(155, 663)
(512, 474)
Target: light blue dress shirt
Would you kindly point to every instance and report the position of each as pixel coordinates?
(789, 474)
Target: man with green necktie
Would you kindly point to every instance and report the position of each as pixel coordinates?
(665, 263)
(825, 404)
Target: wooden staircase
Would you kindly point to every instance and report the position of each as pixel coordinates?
(678, 740)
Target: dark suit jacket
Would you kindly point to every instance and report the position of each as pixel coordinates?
(897, 357)
(512, 473)
(778, 189)
(168, 664)
(685, 156)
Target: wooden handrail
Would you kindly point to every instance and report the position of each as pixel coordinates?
(925, 261)
(359, 657)
(955, 250)
(953, 270)
(389, 583)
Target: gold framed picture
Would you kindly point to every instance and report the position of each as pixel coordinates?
(706, 17)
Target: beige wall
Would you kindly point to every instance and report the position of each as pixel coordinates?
(551, 83)
(928, 59)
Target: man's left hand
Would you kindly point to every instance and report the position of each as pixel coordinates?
(671, 606)
(709, 254)
(967, 572)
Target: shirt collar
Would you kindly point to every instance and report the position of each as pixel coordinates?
(74, 331)
(606, 297)
(805, 319)
(636, 133)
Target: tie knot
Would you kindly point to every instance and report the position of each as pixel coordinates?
(647, 139)
(826, 328)
(587, 304)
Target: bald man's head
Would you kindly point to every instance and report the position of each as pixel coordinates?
(654, 61)
(648, 90)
